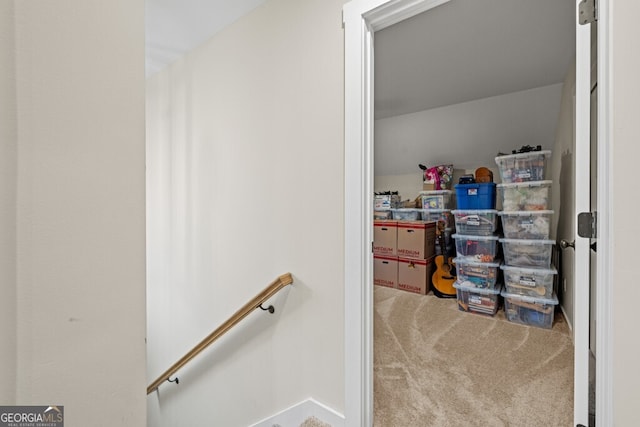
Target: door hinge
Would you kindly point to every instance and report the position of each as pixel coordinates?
(587, 224)
(587, 12)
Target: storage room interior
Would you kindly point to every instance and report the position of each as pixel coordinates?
(462, 82)
(466, 81)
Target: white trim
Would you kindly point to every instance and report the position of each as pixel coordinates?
(581, 269)
(606, 194)
(298, 413)
(395, 11)
(358, 296)
(566, 319)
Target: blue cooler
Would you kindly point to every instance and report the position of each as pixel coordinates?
(476, 196)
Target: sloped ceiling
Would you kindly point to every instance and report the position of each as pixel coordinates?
(460, 53)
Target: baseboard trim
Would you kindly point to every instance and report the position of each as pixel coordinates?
(298, 413)
(566, 319)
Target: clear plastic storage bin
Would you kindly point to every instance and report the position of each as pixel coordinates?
(476, 248)
(526, 224)
(382, 214)
(476, 222)
(527, 196)
(436, 199)
(527, 253)
(474, 274)
(530, 311)
(477, 300)
(523, 167)
(533, 282)
(407, 214)
(443, 215)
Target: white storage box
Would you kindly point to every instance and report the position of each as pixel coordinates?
(533, 282)
(523, 167)
(526, 224)
(527, 196)
(477, 300)
(476, 248)
(530, 311)
(527, 253)
(476, 274)
(476, 222)
(436, 199)
(406, 214)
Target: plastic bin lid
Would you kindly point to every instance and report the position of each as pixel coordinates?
(526, 298)
(526, 184)
(529, 270)
(476, 184)
(496, 290)
(435, 211)
(527, 242)
(524, 213)
(474, 211)
(469, 237)
(495, 263)
(436, 192)
(406, 210)
(546, 153)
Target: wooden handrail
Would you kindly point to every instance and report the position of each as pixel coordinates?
(256, 302)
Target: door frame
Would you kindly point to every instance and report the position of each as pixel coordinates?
(361, 18)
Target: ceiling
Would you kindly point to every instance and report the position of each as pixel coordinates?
(174, 27)
(457, 84)
(458, 53)
(471, 49)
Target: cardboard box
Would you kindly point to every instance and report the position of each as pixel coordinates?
(385, 237)
(416, 239)
(385, 271)
(414, 275)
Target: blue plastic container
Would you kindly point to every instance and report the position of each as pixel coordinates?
(476, 196)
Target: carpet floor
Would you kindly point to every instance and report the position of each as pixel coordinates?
(435, 365)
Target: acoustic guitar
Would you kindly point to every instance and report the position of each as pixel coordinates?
(444, 276)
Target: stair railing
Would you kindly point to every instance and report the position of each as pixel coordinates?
(243, 312)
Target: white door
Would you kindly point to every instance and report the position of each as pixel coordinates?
(361, 19)
(582, 259)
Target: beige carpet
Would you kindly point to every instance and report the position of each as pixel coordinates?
(437, 366)
(314, 422)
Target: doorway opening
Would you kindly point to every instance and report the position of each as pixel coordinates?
(456, 85)
(365, 19)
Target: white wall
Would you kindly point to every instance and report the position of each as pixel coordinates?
(80, 209)
(245, 182)
(467, 134)
(626, 229)
(8, 140)
(562, 168)
(408, 185)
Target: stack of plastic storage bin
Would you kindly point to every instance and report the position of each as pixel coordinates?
(477, 263)
(529, 297)
(436, 206)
